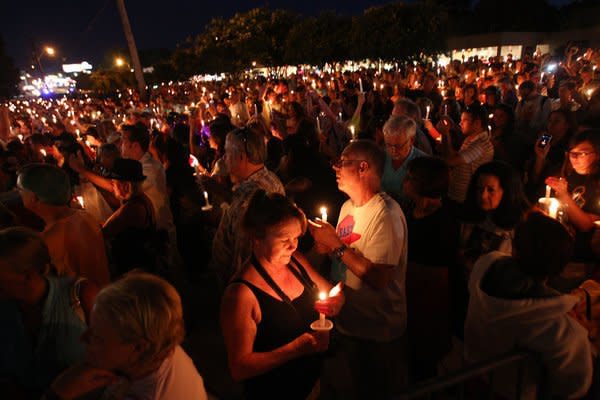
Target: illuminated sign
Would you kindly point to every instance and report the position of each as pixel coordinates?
(74, 68)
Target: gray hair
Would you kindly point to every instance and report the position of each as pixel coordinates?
(400, 125)
(246, 141)
(410, 108)
(144, 306)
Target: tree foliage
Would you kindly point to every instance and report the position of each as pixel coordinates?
(275, 37)
(393, 31)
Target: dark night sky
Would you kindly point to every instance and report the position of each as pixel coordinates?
(65, 24)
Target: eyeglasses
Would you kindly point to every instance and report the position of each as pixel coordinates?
(340, 163)
(579, 154)
(396, 147)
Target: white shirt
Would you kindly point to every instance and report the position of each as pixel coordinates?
(378, 231)
(496, 326)
(177, 378)
(155, 187)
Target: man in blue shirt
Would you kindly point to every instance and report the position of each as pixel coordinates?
(399, 136)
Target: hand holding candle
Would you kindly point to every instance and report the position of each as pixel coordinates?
(330, 304)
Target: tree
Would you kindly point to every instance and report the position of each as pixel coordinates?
(281, 37)
(9, 74)
(514, 15)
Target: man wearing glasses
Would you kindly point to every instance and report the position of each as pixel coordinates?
(369, 249)
(399, 135)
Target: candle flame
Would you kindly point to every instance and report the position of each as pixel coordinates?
(322, 296)
(335, 290)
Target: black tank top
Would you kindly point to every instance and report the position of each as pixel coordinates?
(280, 324)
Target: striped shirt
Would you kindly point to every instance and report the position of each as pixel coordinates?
(475, 151)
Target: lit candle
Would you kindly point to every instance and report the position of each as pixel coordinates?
(20, 137)
(553, 208)
(548, 189)
(324, 214)
(352, 132)
(206, 206)
(427, 110)
(322, 297)
(318, 124)
(360, 84)
(340, 115)
(81, 201)
(43, 152)
(549, 205)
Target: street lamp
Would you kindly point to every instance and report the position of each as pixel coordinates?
(119, 62)
(50, 52)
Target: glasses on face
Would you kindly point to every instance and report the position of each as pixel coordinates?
(341, 163)
(396, 147)
(579, 154)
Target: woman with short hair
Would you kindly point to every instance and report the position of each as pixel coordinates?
(133, 346)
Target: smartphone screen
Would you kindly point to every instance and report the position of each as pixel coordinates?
(544, 140)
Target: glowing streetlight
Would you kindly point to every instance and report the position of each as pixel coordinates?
(119, 62)
(50, 50)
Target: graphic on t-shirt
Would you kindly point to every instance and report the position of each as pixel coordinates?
(344, 231)
(579, 196)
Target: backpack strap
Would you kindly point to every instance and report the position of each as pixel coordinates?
(74, 295)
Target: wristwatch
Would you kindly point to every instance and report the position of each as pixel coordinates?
(339, 252)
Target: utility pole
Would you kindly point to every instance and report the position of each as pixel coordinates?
(137, 67)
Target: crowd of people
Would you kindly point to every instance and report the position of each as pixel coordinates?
(438, 215)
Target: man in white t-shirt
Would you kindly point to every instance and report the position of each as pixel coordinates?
(477, 149)
(369, 248)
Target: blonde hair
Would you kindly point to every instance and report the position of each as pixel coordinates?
(144, 306)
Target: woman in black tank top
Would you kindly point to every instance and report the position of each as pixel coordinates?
(268, 308)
